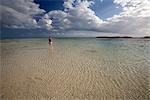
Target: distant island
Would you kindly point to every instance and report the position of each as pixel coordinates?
(146, 36)
(121, 37)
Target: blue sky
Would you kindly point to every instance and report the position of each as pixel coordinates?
(121, 17)
(104, 9)
(49, 5)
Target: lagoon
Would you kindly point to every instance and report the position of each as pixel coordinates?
(75, 69)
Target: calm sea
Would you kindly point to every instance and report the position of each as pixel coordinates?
(75, 69)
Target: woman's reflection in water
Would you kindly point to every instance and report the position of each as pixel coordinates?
(50, 50)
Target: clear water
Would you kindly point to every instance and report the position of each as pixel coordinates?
(75, 69)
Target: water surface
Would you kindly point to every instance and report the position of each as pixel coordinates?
(75, 69)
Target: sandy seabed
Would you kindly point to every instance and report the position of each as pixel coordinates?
(74, 70)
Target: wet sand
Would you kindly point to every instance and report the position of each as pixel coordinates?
(74, 69)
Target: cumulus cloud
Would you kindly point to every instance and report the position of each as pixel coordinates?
(45, 22)
(68, 4)
(128, 25)
(77, 15)
(134, 8)
(59, 19)
(19, 13)
(134, 19)
(82, 17)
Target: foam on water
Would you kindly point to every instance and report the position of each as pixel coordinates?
(75, 69)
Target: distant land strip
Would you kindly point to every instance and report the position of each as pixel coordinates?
(121, 37)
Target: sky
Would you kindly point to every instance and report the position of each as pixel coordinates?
(74, 17)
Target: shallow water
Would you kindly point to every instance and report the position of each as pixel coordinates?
(75, 69)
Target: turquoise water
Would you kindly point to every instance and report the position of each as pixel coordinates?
(75, 69)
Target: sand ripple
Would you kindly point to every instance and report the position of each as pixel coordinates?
(75, 70)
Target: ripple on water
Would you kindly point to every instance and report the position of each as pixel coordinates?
(72, 70)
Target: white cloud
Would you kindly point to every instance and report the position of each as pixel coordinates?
(134, 19)
(134, 8)
(77, 17)
(128, 25)
(59, 19)
(19, 13)
(82, 17)
(45, 22)
(68, 4)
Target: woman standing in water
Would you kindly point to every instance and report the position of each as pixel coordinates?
(50, 41)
